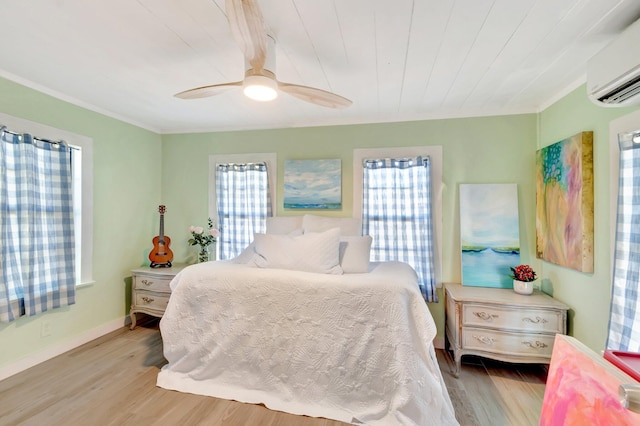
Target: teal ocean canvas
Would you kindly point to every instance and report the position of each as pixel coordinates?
(312, 184)
(489, 234)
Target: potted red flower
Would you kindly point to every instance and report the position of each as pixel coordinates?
(523, 278)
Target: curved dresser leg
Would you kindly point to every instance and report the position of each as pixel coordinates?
(133, 320)
(458, 361)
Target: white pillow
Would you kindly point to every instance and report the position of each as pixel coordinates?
(283, 224)
(246, 255)
(347, 225)
(314, 252)
(354, 254)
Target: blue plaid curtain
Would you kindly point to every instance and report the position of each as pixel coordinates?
(624, 321)
(396, 212)
(37, 249)
(244, 203)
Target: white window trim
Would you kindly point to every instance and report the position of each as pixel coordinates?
(624, 124)
(435, 154)
(268, 157)
(21, 125)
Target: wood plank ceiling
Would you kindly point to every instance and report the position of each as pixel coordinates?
(396, 60)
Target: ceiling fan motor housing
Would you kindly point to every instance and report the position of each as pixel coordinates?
(261, 85)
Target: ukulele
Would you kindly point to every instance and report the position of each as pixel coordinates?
(161, 255)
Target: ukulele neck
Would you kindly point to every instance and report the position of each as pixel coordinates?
(161, 234)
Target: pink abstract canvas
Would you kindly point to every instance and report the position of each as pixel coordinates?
(564, 202)
(582, 389)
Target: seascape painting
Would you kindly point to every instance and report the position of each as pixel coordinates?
(564, 202)
(312, 184)
(489, 234)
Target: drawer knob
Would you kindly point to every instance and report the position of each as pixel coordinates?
(537, 320)
(537, 345)
(147, 299)
(147, 282)
(484, 339)
(485, 316)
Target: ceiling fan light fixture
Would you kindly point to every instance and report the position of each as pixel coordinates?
(260, 88)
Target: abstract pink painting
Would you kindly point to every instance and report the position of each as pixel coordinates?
(564, 202)
(582, 389)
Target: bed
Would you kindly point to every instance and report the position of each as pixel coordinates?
(350, 346)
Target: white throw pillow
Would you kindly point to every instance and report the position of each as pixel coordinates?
(314, 252)
(354, 254)
(246, 255)
(283, 224)
(347, 225)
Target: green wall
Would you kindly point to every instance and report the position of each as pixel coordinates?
(126, 194)
(588, 295)
(475, 150)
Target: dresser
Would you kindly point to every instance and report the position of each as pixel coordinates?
(150, 290)
(500, 324)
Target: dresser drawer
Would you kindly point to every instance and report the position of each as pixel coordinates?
(507, 343)
(157, 284)
(151, 300)
(513, 318)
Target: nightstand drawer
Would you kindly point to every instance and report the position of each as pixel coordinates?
(151, 300)
(502, 342)
(513, 318)
(157, 284)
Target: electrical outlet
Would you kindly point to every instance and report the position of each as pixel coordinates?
(45, 329)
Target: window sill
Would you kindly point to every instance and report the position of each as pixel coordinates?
(85, 284)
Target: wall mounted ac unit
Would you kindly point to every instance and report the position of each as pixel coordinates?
(613, 74)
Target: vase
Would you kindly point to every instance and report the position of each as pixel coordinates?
(204, 255)
(523, 287)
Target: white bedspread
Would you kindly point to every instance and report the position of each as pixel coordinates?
(354, 347)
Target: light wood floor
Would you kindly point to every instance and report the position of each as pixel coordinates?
(111, 381)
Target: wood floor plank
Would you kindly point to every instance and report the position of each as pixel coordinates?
(525, 397)
(111, 381)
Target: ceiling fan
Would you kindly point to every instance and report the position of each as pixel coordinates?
(260, 83)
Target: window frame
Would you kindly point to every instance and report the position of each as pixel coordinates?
(434, 152)
(85, 144)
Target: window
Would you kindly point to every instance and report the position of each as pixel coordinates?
(624, 322)
(398, 209)
(82, 175)
(82, 183)
(241, 194)
(37, 224)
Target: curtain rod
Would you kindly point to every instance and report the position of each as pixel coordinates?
(60, 142)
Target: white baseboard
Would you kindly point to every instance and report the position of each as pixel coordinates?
(62, 347)
(438, 342)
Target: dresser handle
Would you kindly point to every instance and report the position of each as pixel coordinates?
(485, 316)
(538, 320)
(147, 299)
(147, 282)
(484, 339)
(537, 345)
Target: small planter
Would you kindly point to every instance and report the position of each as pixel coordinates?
(523, 287)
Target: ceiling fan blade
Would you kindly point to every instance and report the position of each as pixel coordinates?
(315, 96)
(206, 91)
(247, 26)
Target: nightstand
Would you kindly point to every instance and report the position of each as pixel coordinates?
(150, 290)
(500, 324)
